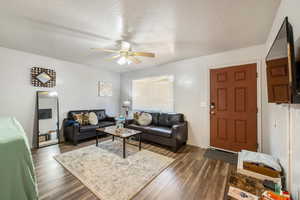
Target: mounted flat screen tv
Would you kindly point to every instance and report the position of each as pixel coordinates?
(282, 72)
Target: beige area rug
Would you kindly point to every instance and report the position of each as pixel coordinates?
(110, 177)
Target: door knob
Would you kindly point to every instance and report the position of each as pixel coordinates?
(212, 106)
(212, 112)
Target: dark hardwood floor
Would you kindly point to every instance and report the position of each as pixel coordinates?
(190, 176)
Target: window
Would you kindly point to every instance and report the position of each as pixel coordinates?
(153, 94)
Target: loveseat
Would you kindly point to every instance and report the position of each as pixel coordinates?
(169, 129)
(75, 132)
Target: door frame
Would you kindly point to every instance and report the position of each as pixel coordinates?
(259, 66)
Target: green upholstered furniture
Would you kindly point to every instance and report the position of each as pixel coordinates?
(17, 176)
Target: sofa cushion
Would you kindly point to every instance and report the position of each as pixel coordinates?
(155, 118)
(105, 124)
(100, 114)
(138, 127)
(88, 128)
(160, 131)
(170, 119)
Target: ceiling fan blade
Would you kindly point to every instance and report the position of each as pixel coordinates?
(114, 57)
(106, 50)
(146, 54)
(133, 59)
(125, 46)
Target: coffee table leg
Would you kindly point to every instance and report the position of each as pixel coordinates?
(124, 149)
(96, 139)
(140, 142)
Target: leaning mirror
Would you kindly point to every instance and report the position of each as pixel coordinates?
(47, 118)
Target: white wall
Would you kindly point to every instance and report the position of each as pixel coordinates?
(276, 117)
(76, 86)
(191, 95)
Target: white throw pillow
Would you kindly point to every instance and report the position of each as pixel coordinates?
(144, 119)
(93, 119)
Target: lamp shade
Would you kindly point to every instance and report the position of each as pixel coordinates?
(126, 103)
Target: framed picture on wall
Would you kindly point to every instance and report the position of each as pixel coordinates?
(105, 89)
(42, 77)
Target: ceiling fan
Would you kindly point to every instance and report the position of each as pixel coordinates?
(125, 55)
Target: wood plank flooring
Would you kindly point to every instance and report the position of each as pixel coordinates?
(190, 177)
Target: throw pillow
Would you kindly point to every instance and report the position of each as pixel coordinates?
(82, 118)
(85, 119)
(78, 118)
(93, 119)
(144, 119)
(69, 122)
(136, 116)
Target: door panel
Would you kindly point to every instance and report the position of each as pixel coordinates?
(240, 98)
(233, 114)
(222, 99)
(222, 129)
(240, 131)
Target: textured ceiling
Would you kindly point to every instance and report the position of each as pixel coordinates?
(173, 29)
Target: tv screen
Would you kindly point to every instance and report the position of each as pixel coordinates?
(282, 74)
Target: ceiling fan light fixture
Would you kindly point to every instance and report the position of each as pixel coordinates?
(125, 55)
(122, 61)
(125, 46)
(129, 62)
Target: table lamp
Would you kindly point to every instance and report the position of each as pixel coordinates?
(126, 105)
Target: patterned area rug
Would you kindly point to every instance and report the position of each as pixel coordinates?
(110, 177)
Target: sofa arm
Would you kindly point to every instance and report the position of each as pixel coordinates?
(71, 131)
(110, 119)
(69, 122)
(180, 132)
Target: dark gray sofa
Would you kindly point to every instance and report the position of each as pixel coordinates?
(74, 132)
(168, 129)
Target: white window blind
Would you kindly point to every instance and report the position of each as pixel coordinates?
(153, 94)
